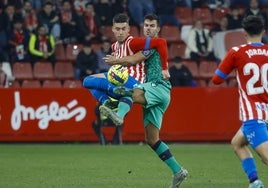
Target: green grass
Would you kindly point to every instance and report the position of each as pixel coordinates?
(126, 166)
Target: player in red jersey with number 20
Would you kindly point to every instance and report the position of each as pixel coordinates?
(251, 64)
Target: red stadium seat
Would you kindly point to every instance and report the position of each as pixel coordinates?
(184, 15)
(52, 84)
(72, 84)
(22, 70)
(232, 82)
(171, 33)
(43, 70)
(218, 13)
(201, 83)
(207, 69)
(72, 51)
(31, 84)
(14, 84)
(60, 53)
(234, 38)
(134, 31)
(106, 31)
(177, 49)
(192, 66)
(64, 70)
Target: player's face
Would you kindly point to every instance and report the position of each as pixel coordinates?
(121, 31)
(150, 28)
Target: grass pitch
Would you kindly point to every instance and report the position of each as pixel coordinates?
(124, 166)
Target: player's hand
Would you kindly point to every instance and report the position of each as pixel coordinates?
(165, 74)
(110, 59)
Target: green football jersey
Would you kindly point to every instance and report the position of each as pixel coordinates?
(153, 67)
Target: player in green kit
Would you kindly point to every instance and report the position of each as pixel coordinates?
(154, 95)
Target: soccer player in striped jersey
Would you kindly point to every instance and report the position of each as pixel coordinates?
(154, 95)
(98, 84)
(251, 64)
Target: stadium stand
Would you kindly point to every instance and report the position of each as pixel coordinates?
(43, 71)
(22, 71)
(52, 84)
(64, 70)
(31, 84)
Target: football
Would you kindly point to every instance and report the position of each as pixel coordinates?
(118, 75)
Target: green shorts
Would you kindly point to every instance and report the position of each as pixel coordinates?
(157, 95)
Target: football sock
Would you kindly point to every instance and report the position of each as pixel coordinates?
(249, 167)
(162, 150)
(124, 106)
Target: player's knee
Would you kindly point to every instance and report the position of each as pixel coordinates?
(235, 145)
(135, 97)
(265, 159)
(138, 98)
(86, 81)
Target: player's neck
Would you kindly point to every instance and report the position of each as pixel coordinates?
(254, 39)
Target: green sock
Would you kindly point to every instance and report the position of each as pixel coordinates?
(162, 150)
(124, 106)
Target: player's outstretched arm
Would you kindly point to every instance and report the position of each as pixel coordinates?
(125, 61)
(160, 44)
(225, 67)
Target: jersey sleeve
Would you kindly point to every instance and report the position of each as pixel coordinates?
(225, 67)
(160, 44)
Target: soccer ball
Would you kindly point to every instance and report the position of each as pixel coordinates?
(118, 75)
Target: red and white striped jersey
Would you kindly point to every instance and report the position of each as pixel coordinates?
(137, 71)
(251, 64)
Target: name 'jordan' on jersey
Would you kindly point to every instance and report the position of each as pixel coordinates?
(251, 64)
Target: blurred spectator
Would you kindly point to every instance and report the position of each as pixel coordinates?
(37, 4)
(222, 26)
(30, 17)
(234, 18)
(239, 3)
(180, 75)
(91, 24)
(50, 19)
(8, 16)
(16, 3)
(198, 3)
(182, 3)
(257, 11)
(86, 62)
(42, 46)
(213, 4)
(69, 23)
(121, 6)
(165, 11)
(199, 43)
(263, 3)
(3, 77)
(80, 5)
(101, 53)
(3, 36)
(105, 10)
(18, 39)
(138, 9)
(6, 68)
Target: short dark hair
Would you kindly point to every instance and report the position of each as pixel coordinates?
(121, 18)
(152, 17)
(253, 25)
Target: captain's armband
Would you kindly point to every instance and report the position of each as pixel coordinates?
(146, 53)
